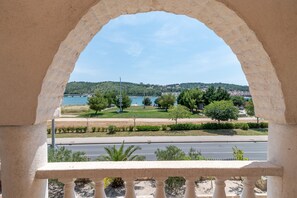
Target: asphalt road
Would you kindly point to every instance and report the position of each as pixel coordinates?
(216, 150)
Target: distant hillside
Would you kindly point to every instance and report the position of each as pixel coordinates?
(135, 89)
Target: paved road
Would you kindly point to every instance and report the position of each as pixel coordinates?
(217, 150)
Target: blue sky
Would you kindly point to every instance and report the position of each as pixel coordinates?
(157, 48)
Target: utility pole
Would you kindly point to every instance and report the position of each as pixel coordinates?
(53, 133)
(121, 99)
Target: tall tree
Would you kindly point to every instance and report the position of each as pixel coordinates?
(179, 112)
(111, 97)
(97, 102)
(167, 100)
(146, 102)
(238, 100)
(250, 109)
(221, 110)
(126, 101)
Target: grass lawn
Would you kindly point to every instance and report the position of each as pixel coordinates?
(138, 112)
(168, 133)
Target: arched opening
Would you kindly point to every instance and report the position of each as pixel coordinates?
(223, 21)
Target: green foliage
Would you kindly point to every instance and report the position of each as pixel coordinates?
(185, 126)
(121, 154)
(134, 89)
(191, 98)
(126, 101)
(238, 154)
(147, 101)
(216, 126)
(97, 102)
(64, 155)
(238, 100)
(178, 112)
(111, 129)
(212, 94)
(166, 101)
(157, 102)
(148, 128)
(174, 153)
(249, 108)
(245, 126)
(111, 97)
(221, 110)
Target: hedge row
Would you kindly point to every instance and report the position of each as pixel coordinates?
(216, 126)
(173, 127)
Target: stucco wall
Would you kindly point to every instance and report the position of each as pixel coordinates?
(31, 33)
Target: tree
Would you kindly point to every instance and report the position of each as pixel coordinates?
(121, 154)
(97, 102)
(238, 101)
(191, 98)
(166, 101)
(146, 102)
(157, 102)
(221, 110)
(111, 97)
(126, 101)
(212, 94)
(178, 112)
(250, 109)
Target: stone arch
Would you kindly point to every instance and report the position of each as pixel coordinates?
(264, 84)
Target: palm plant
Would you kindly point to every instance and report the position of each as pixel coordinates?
(121, 154)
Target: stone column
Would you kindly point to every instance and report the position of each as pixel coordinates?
(23, 149)
(282, 150)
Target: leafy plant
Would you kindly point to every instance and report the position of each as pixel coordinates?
(221, 110)
(147, 128)
(112, 129)
(64, 155)
(121, 154)
(174, 153)
(238, 154)
(179, 112)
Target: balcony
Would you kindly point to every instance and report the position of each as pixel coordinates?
(160, 171)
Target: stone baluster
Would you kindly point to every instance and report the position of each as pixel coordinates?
(248, 187)
(219, 191)
(99, 188)
(190, 187)
(160, 187)
(68, 188)
(129, 186)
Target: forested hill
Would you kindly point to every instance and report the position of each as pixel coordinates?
(134, 89)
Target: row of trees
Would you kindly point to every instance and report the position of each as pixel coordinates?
(100, 101)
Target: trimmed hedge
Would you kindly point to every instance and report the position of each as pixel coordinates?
(216, 126)
(148, 128)
(172, 127)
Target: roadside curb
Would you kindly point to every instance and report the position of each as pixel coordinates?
(158, 139)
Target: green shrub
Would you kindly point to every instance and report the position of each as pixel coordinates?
(263, 124)
(131, 128)
(93, 129)
(64, 155)
(253, 125)
(111, 129)
(174, 153)
(147, 128)
(215, 126)
(186, 126)
(245, 126)
(49, 131)
(164, 127)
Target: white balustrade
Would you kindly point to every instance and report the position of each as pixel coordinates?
(190, 187)
(160, 187)
(129, 186)
(219, 191)
(68, 187)
(248, 187)
(99, 188)
(160, 170)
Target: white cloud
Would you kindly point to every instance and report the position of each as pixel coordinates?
(134, 49)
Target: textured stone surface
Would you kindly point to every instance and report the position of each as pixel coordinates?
(41, 43)
(264, 85)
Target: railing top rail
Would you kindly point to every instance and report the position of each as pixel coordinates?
(158, 169)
